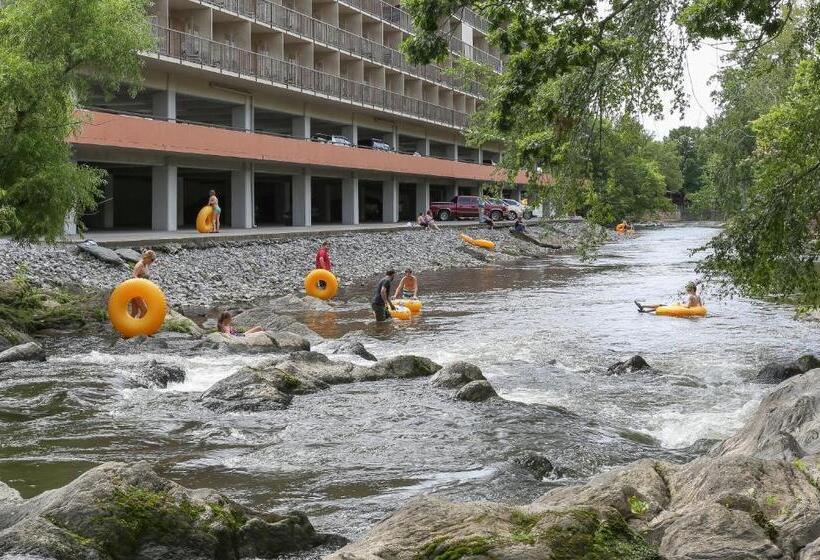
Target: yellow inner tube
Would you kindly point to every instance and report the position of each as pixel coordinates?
(680, 311)
(414, 305)
(313, 288)
(401, 313)
(483, 243)
(122, 295)
(205, 219)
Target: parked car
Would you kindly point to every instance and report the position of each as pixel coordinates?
(516, 209)
(335, 139)
(465, 206)
(375, 144)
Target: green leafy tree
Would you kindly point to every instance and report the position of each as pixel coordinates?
(685, 140)
(50, 52)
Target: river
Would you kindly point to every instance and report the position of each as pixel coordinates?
(543, 332)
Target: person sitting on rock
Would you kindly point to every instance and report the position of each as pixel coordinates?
(223, 325)
(421, 221)
(431, 221)
(692, 300)
(138, 306)
(408, 286)
(519, 226)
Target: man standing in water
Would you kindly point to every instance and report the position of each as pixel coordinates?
(381, 299)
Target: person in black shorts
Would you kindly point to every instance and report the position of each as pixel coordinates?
(381, 299)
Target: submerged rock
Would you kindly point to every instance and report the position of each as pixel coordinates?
(537, 464)
(118, 511)
(249, 390)
(476, 391)
(156, 375)
(456, 375)
(634, 364)
(28, 352)
(776, 372)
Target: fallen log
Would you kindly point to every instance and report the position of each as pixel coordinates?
(531, 239)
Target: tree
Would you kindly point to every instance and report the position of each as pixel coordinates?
(685, 140)
(50, 52)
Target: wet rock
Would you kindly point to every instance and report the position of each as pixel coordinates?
(250, 390)
(812, 551)
(456, 375)
(11, 337)
(354, 349)
(634, 364)
(28, 352)
(405, 367)
(122, 511)
(776, 372)
(266, 318)
(289, 342)
(476, 391)
(537, 464)
(102, 253)
(141, 342)
(784, 426)
(291, 303)
(128, 254)
(258, 342)
(156, 375)
(179, 323)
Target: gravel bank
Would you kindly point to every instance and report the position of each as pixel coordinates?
(240, 271)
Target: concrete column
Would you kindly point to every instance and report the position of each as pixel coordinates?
(352, 133)
(350, 200)
(180, 201)
(423, 147)
(452, 151)
(480, 156)
(108, 204)
(301, 199)
(242, 116)
(165, 103)
(70, 223)
(164, 198)
(393, 139)
(422, 197)
(390, 201)
(452, 190)
(301, 127)
(242, 197)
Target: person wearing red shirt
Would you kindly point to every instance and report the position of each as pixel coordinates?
(322, 257)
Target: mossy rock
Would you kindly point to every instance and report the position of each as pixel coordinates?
(179, 323)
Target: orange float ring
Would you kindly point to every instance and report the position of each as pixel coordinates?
(122, 320)
(205, 219)
(313, 288)
(401, 313)
(483, 243)
(414, 305)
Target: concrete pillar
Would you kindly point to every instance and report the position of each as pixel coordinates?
(300, 187)
(422, 196)
(70, 223)
(452, 191)
(164, 198)
(242, 197)
(390, 201)
(423, 146)
(480, 156)
(393, 139)
(352, 133)
(301, 127)
(165, 103)
(452, 151)
(242, 116)
(180, 201)
(108, 204)
(350, 200)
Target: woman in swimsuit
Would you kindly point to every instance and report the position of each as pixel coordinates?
(408, 286)
(213, 201)
(138, 306)
(223, 325)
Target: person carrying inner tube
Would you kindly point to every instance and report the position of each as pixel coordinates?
(692, 300)
(408, 286)
(381, 299)
(138, 305)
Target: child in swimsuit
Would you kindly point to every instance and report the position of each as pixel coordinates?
(213, 201)
(408, 286)
(223, 325)
(138, 306)
(692, 300)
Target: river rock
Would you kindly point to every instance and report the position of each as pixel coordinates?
(258, 342)
(179, 323)
(456, 375)
(785, 425)
(349, 348)
(250, 390)
(634, 364)
(128, 254)
(266, 318)
(28, 352)
(157, 375)
(102, 253)
(537, 464)
(121, 511)
(404, 367)
(290, 342)
(776, 372)
(476, 391)
(291, 303)
(11, 337)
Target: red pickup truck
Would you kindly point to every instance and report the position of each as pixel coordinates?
(464, 206)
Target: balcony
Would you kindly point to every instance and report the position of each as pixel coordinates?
(184, 47)
(297, 23)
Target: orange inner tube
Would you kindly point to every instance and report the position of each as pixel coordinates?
(401, 313)
(205, 219)
(154, 300)
(313, 288)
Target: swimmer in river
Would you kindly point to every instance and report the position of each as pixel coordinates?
(692, 300)
(408, 286)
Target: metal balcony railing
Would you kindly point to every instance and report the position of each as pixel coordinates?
(295, 22)
(473, 19)
(191, 48)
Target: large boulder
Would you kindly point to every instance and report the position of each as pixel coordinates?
(127, 254)
(10, 336)
(157, 375)
(102, 253)
(179, 323)
(536, 463)
(258, 342)
(404, 367)
(270, 321)
(349, 348)
(776, 372)
(118, 512)
(785, 425)
(476, 391)
(250, 390)
(28, 352)
(456, 375)
(634, 364)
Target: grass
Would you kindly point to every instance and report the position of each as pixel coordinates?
(637, 506)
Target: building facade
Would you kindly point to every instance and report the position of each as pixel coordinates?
(299, 113)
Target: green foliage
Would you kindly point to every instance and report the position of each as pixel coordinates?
(50, 51)
(637, 506)
(524, 524)
(589, 537)
(441, 549)
(290, 381)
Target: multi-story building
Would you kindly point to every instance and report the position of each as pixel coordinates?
(295, 114)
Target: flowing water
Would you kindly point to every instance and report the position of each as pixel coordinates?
(542, 331)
